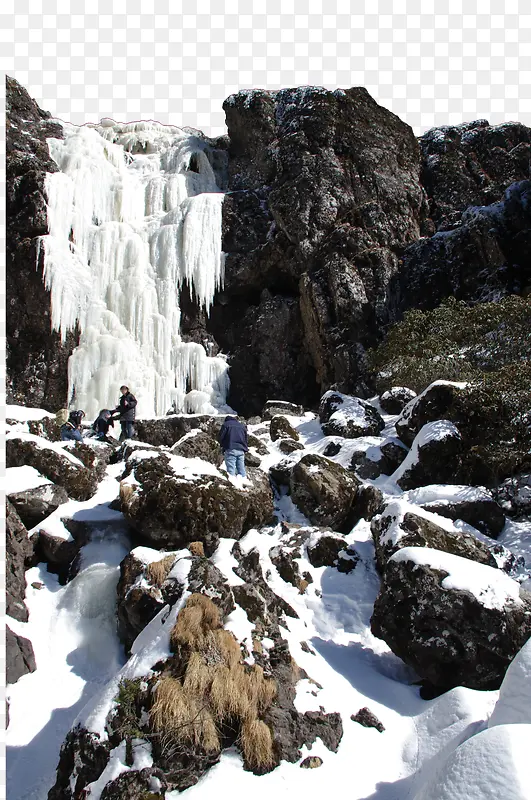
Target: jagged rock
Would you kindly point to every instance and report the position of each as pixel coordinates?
(81, 761)
(311, 218)
(47, 427)
(435, 456)
(288, 569)
(79, 482)
(394, 400)
(366, 718)
(350, 417)
(394, 452)
(145, 784)
(280, 428)
(19, 556)
(169, 510)
(20, 659)
(311, 762)
(514, 495)
(58, 554)
(34, 505)
(280, 472)
(252, 460)
(255, 596)
(433, 404)
(288, 446)
(202, 445)
(474, 506)
(325, 551)
(471, 164)
(325, 492)
(394, 530)
(369, 502)
(332, 449)
(36, 359)
(168, 430)
(257, 444)
(368, 462)
(446, 634)
(274, 407)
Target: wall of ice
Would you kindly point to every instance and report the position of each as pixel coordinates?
(133, 213)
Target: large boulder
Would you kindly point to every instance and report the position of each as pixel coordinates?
(471, 504)
(281, 428)
(198, 444)
(274, 407)
(325, 492)
(169, 430)
(170, 501)
(395, 399)
(34, 505)
(20, 658)
(432, 404)
(455, 622)
(514, 495)
(57, 464)
(435, 456)
(341, 415)
(401, 525)
(19, 555)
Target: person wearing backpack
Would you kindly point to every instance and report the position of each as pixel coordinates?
(126, 408)
(102, 423)
(71, 430)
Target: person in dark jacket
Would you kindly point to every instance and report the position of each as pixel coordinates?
(233, 441)
(71, 430)
(102, 424)
(126, 408)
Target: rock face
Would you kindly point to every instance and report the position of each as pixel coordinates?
(325, 492)
(447, 635)
(19, 554)
(36, 358)
(324, 194)
(20, 658)
(34, 505)
(199, 446)
(168, 509)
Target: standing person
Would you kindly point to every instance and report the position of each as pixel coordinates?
(233, 441)
(126, 409)
(102, 424)
(71, 430)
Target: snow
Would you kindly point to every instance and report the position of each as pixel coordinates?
(116, 766)
(490, 586)
(23, 414)
(134, 213)
(20, 479)
(514, 702)
(437, 493)
(493, 764)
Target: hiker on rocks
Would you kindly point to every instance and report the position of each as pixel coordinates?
(102, 423)
(71, 430)
(233, 441)
(126, 408)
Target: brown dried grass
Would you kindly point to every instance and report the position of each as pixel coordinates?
(198, 617)
(177, 715)
(158, 571)
(257, 744)
(196, 548)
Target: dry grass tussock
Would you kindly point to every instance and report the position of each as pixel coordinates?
(158, 571)
(216, 688)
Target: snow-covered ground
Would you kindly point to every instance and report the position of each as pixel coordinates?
(79, 658)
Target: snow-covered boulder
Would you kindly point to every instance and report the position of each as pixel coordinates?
(394, 400)
(281, 428)
(402, 525)
(58, 463)
(274, 407)
(280, 473)
(491, 765)
(150, 579)
(325, 492)
(168, 430)
(454, 621)
(514, 703)
(288, 446)
(435, 456)
(35, 504)
(472, 504)
(171, 501)
(432, 404)
(350, 417)
(198, 444)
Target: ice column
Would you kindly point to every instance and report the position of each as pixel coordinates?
(134, 212)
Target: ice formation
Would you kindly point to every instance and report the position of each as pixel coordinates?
(134, 213)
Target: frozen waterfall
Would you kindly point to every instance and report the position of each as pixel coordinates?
(134, 213)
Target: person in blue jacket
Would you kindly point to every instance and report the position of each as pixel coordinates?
(102, 423)
(233, 441)
(71, 430)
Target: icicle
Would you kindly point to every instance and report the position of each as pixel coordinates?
(133, 213)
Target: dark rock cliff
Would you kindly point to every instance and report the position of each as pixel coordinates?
(36, 357)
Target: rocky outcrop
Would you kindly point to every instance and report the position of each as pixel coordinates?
(433, 404)
(169, 430)
(325, 492)
(280, 428)
(435, 456)
(474, 506)
(20, 659)
(274, 407)
(36, 359)
(453, 631)
(350, 417)
(200, 445)
(19, 555)
(170, 506)
(77, 480)
(324, 193)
